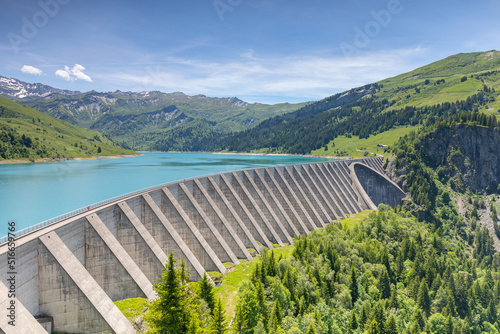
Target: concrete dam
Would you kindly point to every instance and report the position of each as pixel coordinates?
(67, 275)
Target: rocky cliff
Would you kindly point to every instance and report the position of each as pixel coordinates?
(465, 156)
(468, 155)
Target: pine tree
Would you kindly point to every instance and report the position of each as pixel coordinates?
(415, 328)
(384, 259)
(311, 329)
(451, 303)
(378, 223)
(418, 265)
(426, 328)
(488, 281)
(218, 323)
(390, 326)
(248, 307)
(170, 312)
(496, 290)
(264, 256)
(354, 286)
(206, 291)
(419, 319)
(290, 280)
(194, 326)
(413, 287)
(271, 265)
(400, 264)
(492, 312)
(374, 328)
(465, 326)
(379, 315)
(333, 258)
(436, 283)
(240, 323)
(440, 300)
(449, 325)
(365, 312)
(384, 285)
(261, 297)
(394, 299)
(256, 275)
(263, 274)
(276, 315)
(302, 305)
(353, 323)
(423, 299)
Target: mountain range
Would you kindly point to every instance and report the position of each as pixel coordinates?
(141, 118)
(351, 123)
(16, 89)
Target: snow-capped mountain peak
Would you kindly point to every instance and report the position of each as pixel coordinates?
(17, 89)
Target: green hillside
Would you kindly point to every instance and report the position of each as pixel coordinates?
(353, 146)
(29, 134)
(464, 82)
(442, 81)
(141, 119)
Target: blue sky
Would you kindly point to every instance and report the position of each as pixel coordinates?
(266, 51)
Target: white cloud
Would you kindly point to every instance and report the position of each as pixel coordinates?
(78, 73)
(73, 74)
(31, 70)
(308, 77)
(65, 74)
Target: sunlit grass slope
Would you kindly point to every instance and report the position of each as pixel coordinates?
(48, 137)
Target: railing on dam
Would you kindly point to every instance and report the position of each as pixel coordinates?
(94, 206)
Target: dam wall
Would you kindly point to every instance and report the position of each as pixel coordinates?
(68, 274)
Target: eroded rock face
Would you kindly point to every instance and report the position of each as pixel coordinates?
(470, 155)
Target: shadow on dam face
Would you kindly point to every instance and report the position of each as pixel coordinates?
(374, 188)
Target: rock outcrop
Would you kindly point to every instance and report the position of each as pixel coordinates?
(469, 155)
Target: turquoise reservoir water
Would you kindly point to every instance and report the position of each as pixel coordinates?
(32, 193)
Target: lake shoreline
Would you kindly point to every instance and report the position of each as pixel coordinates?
(260, 154)
(140, 153)
(38, 160)
(287, 155)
